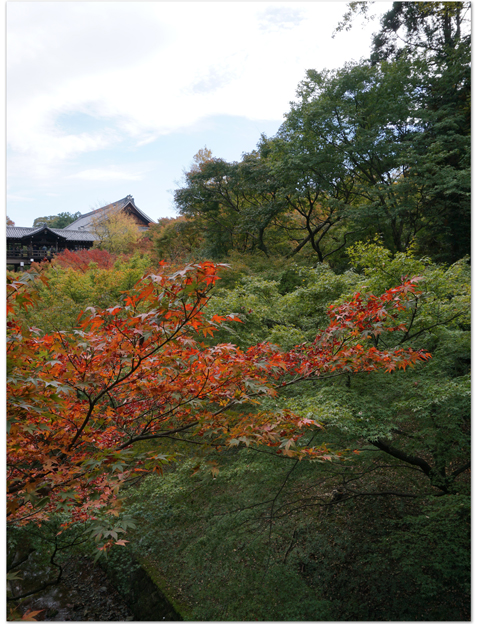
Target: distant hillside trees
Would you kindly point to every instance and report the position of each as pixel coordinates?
(59, 221)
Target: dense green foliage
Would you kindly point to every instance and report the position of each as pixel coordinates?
(376, 536)
(380, 533)
(70, 291)
(59, 221)
(228, 551)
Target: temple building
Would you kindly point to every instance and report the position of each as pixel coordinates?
(125, 205)
(34, 244)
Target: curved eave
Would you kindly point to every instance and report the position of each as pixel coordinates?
(39, 231)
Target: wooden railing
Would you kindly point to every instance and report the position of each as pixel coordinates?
(35, 254)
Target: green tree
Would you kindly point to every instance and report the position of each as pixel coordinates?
(59, 221)
(351, 129)
(231, 202)
(420, 419)
(434, 39)
(371, 148)
(412, 28)
(177, 240)
(312, 197)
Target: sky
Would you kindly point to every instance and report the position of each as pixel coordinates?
(108, 99)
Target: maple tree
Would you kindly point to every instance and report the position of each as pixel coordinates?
(81, 403)
(78, 279)
(81, 259)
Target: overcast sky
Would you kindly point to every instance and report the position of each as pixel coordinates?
(108, 99)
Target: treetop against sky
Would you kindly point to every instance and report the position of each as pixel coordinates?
(110, 99)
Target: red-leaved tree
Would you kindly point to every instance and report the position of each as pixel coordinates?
(80, 403)
(81, 259)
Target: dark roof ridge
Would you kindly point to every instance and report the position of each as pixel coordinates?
(117, 206)
(18, 232)
(36, 230)
(87, 214)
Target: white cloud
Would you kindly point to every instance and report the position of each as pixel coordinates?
(280, 17)
(131, 172)
(105, 175)
(21, 198)
(148, 69)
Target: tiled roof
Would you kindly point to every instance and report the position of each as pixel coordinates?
(79, 230)
(75, 234)
(85, 221)
(18, 232)
(72, 235)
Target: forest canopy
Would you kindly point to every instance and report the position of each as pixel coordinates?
(378, 147)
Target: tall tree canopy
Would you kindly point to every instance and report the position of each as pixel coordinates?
(381, 146)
